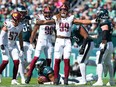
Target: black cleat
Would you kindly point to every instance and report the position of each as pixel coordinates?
(28, 79)
(56, 81)
(65, 81)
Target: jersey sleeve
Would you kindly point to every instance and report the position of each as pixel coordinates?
(72, 17)
(54, 17)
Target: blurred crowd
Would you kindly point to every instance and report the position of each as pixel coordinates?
(87, 10)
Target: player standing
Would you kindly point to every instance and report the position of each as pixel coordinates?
(63, 44)
(106, 47)
(44, 41)
(9, 33)
(86, 47)
(28, 48)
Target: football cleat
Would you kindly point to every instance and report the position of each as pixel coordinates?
(98, 83)
(110, 83)
(14, 82)
(23, 81)
(28, 79)
(66, 81)
(56, 81)
(81, 82)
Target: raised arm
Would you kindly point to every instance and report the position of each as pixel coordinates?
(36, 27)
(2, 36)
(43, 22)
(78, 21)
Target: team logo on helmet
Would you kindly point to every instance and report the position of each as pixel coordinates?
(103, 14)
(16, 15)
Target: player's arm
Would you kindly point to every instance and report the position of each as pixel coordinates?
(36, 27)
(78, 21)
(21, 41)
(85, 35)
(43, 22)
(2, 36)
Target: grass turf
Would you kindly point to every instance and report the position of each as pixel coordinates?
(6, 82)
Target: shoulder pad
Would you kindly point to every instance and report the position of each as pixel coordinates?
(104, 22)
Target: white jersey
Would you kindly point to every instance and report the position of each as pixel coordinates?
(63, 27)
(45, 31)
(13, 33)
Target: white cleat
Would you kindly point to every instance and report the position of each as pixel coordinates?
(14, 82)
(23, 81)
(0, 78)
(81, 82)
(48, 83)
(111, 83)
(98, 83)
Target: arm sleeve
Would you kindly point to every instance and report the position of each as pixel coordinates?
(2, 37)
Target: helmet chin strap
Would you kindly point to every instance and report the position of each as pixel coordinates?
(47, 17)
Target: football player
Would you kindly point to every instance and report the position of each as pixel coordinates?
(28, 48)
(63, 23)
(44, 42)
(106, 48)
(45, 73)
(86, 45)
(11, 30)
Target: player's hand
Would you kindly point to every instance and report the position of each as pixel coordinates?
(81, 51)
(21, 53)
(3, 49)
(3, 52)
(31, 47)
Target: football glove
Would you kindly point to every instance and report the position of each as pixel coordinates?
(3, 50)
(21, 53)
(31, 47)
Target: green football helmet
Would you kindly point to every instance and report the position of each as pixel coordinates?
(40, 63)
(103, 14)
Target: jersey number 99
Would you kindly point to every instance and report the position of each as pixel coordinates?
(64, 27)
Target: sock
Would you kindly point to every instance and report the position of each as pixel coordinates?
(110, 67)
(21, 70)
(3, 65)
(56, 68)
(48, 62)
(83, 71)
(99, 71)
(15, 68)
(66, 67)
(32, 66)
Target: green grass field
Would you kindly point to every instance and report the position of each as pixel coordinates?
(6, 82)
